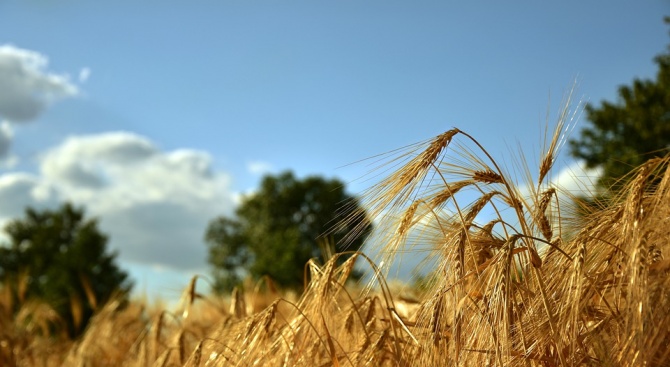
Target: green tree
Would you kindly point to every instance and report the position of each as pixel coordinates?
(627, 133)
(60, 257)
(274, 231)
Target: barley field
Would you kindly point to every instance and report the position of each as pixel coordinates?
(517, 274)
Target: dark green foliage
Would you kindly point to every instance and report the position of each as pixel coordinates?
(275, 230)
(625, 134)
(60, 257)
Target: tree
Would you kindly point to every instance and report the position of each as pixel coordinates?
(625, 134)
(275, 230)
(61, 258)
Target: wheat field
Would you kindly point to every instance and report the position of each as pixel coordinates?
(517, 275)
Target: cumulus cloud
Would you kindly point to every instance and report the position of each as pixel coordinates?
(163, 234)
(577, 179)
(84, 74)
(573, 179)
(155, 205)
(19, 190)
(26, 87)
(259, 167)
(6, 135)
(88, 162)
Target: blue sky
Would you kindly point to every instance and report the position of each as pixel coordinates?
(156, 115)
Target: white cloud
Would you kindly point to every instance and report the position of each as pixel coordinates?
(154, 205)
(18, 190)
(26, 87)
(573, 179)
(88, 162)
(6, 135)
(84, 74)
(160, 233)
(259, 167)
(577, 180)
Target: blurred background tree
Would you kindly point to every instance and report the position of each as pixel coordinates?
(627, 133)
(274, 231)
(61, 258)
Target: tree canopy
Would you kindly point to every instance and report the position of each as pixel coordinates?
(627, 133)
(61, 258)
(275, 230)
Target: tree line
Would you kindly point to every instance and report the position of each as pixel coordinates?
(61, 257)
